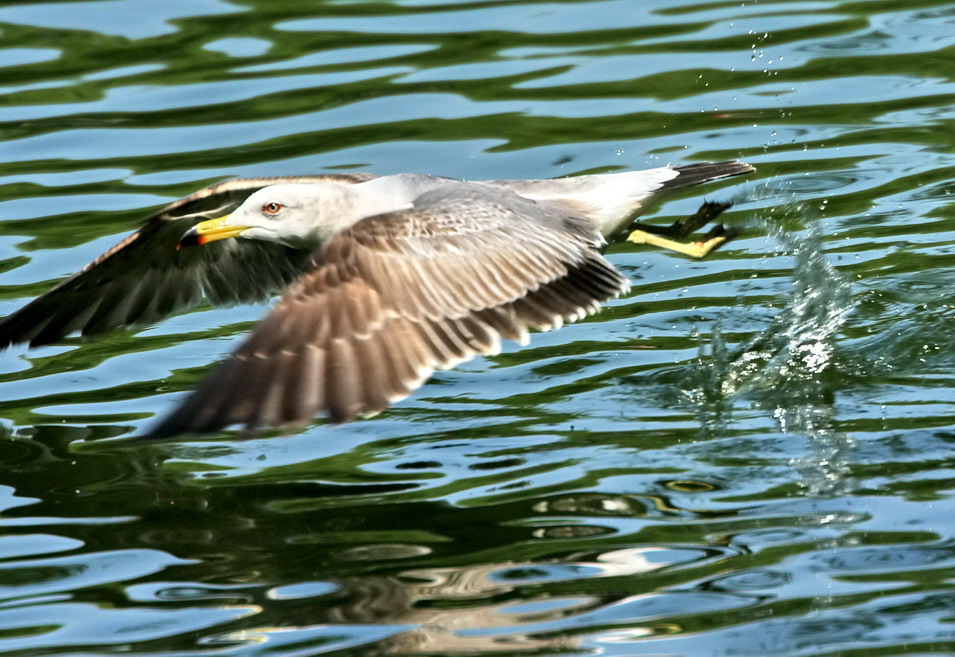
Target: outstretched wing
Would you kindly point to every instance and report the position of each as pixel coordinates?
(144, 278)
(395, 296)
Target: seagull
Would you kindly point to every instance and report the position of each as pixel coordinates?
(382, 280)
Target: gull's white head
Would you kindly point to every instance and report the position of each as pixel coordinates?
(295, 214)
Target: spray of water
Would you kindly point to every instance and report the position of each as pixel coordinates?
(789, 368)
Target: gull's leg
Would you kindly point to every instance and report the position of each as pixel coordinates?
(672, 237)
(698, 249)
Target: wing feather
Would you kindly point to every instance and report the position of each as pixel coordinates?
(394, 297)
(144, 278)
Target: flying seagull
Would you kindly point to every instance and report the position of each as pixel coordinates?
(382, 279)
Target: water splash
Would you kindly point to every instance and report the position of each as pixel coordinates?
(790, 368)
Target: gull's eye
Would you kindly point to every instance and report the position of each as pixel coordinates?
(272, 208)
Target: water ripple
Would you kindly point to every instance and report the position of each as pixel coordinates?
(746, 455)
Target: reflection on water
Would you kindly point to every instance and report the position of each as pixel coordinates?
(614, 488)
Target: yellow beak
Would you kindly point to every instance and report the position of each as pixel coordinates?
(209, 231)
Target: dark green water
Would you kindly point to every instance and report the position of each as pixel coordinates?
(749, 455)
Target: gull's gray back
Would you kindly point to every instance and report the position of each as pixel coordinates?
(486, 202)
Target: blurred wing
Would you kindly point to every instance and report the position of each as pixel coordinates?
(144, 278)
(396, 296)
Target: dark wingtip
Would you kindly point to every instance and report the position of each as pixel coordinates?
(27, 326)
(203, 411)
(180, 421)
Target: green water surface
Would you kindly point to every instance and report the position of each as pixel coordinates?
(747, 455)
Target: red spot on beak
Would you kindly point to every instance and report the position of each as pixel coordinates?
(191, 238)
